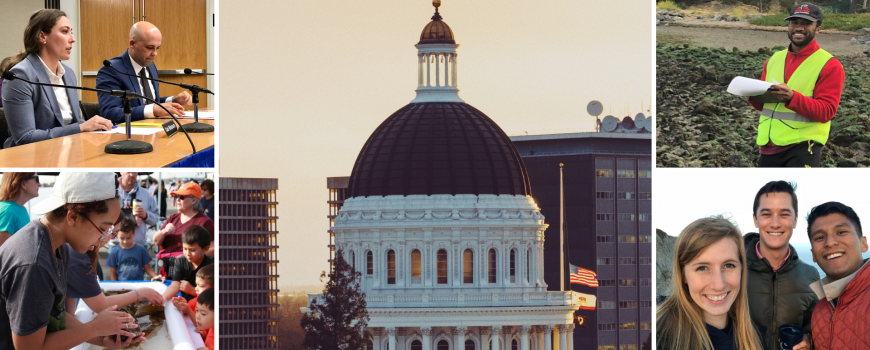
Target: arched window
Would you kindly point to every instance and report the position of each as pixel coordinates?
(416, 268)
(442, 266)
(416, 345)
(370, 265)
(369, 344)
(391, 267)
(528, 266)
(513, 267)
(514, 345)
(442, 345)
(492, 267)
(352, 260)
(468, 266)
(469, 344)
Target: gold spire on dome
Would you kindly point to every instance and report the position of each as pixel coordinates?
(436, 3)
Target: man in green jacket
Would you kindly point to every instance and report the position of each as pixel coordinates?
(778, 282)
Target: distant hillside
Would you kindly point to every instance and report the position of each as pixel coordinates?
(309, 289)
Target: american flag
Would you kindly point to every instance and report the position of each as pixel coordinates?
(580, 275)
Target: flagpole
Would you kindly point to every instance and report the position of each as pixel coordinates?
(561, 230)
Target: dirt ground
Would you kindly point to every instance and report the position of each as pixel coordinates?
(747, 37)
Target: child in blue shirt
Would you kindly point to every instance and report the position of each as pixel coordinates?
(130, 263)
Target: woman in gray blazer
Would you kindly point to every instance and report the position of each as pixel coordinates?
(36, 113)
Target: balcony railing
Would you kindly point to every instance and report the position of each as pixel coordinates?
(400, 300)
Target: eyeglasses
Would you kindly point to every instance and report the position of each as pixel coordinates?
(183, 197)
(103, 234)
(33, 177)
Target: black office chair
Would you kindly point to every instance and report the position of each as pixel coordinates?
(89, 109)
(4, 128)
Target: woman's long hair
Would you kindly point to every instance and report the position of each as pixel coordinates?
(679, 320)
(41, 21)
(10, 185)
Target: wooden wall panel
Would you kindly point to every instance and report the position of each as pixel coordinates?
(105, 34)
(105, 30)
(183, 25)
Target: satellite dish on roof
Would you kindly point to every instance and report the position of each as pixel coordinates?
(627, 123)
(594, 108)
(647, 125)
(610, 123)
(639, 120)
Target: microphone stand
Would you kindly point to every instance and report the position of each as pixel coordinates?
(128, 146)
(196, 126)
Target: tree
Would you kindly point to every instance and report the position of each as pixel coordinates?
(338, 316)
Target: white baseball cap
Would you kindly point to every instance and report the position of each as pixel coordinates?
(78, 188)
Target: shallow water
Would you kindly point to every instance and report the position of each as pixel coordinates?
(153, 329)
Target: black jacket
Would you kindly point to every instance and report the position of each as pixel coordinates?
(781, 297)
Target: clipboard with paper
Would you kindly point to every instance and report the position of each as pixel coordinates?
(759, 90)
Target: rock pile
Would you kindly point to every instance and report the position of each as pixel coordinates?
(699, 124)
(669, 15)
(863, 37)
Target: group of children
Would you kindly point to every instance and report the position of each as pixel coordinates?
(192, 275)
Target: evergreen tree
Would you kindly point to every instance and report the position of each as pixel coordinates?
(338, 316)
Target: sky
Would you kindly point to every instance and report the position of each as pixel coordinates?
(684, 195)
(344, 66)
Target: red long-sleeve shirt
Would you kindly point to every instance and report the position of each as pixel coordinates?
(826, 95)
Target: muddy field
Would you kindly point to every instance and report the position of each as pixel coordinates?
(698, 124)
(738, 35)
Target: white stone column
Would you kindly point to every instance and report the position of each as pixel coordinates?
(557, 338)
(524, 337)
(427, 337)
(376, 338)
(548, 337)
(420, 70)
(571, 336)
(459, 337)
(563, 336)
(496, 333)
(484, 338)
(391, 333)
(454, 71)
(446, 69)
(437, 70)
(428, 69)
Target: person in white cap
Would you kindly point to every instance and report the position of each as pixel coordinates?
(33, 266)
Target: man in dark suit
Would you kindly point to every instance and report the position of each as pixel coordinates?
(145, 40)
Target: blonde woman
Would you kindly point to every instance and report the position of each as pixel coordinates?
(709, 309)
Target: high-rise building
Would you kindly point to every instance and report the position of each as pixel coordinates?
(608, 191)
(337, 194)
(248, 267)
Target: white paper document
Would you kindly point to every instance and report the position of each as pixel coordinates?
(202, 114)
(133, 131)
(742, 86)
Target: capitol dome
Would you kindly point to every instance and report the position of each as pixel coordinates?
(438, 148)
(437, 32)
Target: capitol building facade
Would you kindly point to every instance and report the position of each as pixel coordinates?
(441, 223)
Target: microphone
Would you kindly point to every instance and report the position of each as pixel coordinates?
(8, 75)
(127, 146)
(190, 71)
(196, 126)
(192, 88)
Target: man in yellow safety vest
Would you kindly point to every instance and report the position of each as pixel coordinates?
(796, 112)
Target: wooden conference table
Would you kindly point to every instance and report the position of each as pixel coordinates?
(87, 150)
